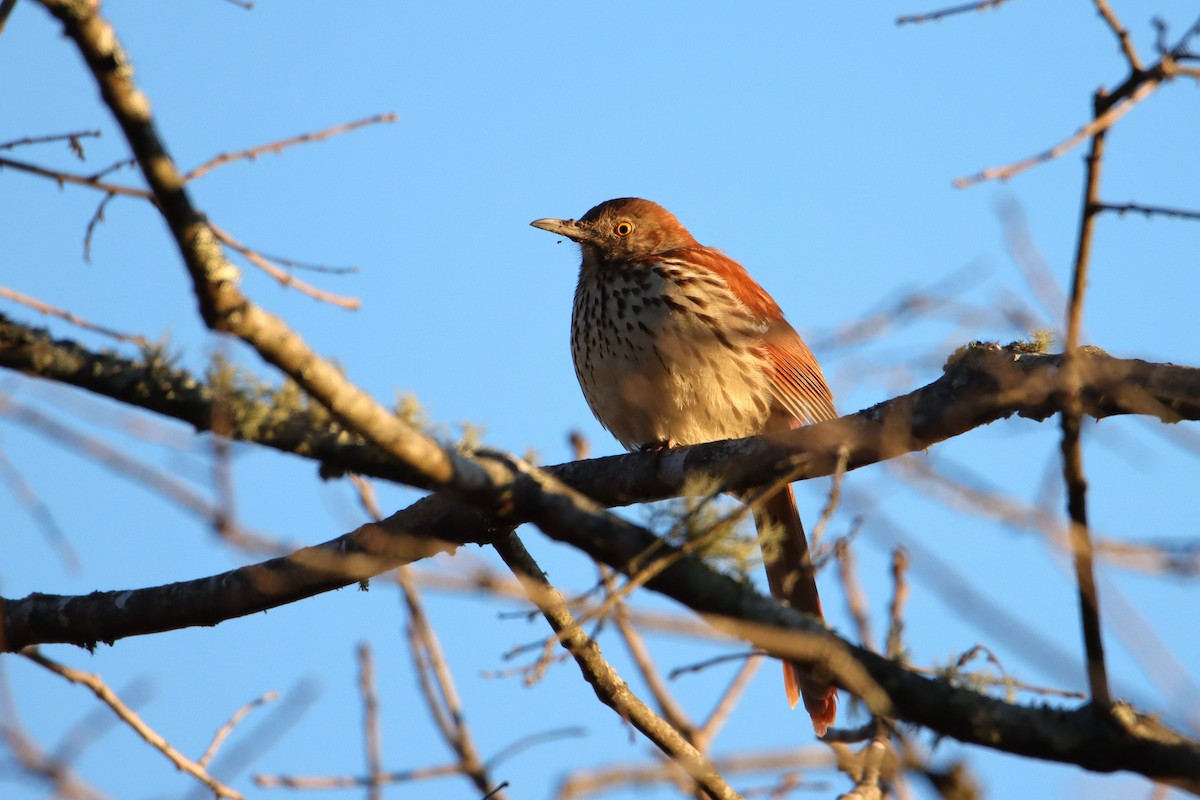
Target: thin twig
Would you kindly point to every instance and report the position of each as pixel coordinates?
(79, 322)
(1042, 281)
(727, 702)
(437, 708)
(495, 792)
(532, 740)
(307, 266)
(223, 732)
(79, 180)
(605, 681)
(93, 223)
(1098, 125)
(850, 735)
(54, 769)
(39, 512)
(351, 781)
(70, 138)
(667, 705)
(895, 636)
(446, 704)
(1003, 681)
(1166, 670)
(831, 502)
(632, 777)
(954, 483)
(151, 737)
(285, 278)
(708, 663)
(121, 163)
(224, 521)
(281, 145)
(371, 735)
(646, 566)
(581, 448)
(1122, 34)
(856, 598)
(1108, 107)
(151, 477)
(933, 16)
(1072, 420)
(1149, 211)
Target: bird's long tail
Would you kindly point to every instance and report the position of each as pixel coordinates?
(792, 580)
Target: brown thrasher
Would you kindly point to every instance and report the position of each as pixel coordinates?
(675, 344)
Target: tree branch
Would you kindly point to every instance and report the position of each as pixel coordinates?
(1072, 424)
(609, 687)
(980, 384)
(500, 485)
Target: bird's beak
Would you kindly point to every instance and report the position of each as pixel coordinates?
(563, 227)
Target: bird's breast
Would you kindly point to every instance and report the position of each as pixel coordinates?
(667, 353)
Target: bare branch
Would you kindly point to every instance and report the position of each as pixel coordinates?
(72, 138)
(76, 320)
(605, 681)
(1102, 122)
(895, 645)
(278, 147)
(443, 702)
(1072, 420)
(1122, 34)
(1108, 106)
(856, 599)
(93, 223)
(584, 783)
(79, 180)
(223, 732)
(533, 740)
(485, 480)
(325, 782)
(831, 502)
(371, 734)
(285, 278)
(727, 702)
(932, 16)
(38, 511)
(980, 385)
(152, 738)
(140, 472)
(1149, 211)
(667, 705)
(53, 769)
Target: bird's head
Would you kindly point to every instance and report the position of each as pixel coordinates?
(622, 229)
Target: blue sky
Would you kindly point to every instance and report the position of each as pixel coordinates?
(815, 144)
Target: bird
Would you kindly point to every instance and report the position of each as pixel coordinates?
(675, 344)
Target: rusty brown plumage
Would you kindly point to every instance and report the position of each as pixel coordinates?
(674, 343)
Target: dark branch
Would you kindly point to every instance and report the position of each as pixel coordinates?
(980, 384)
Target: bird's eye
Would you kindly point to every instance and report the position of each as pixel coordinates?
(623, 228)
